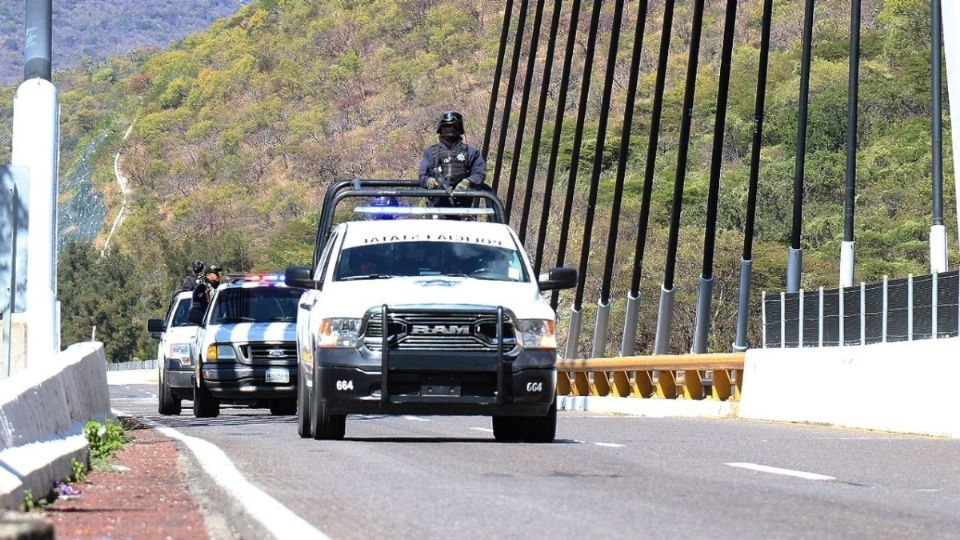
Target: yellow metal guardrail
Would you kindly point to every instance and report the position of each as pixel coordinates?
(663, 376)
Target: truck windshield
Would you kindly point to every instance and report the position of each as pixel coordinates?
(402, 259)
(180, 313)
(256, 304)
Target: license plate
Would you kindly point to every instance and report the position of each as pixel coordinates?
(278, 375)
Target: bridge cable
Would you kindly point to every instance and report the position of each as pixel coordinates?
(794, 260)
(557, 132)
(847, 253)
(665, 313)
(524, 102)
(511, 85)
(652, 143)
(578, 137)
(746, 260)
(538, 129)
(705, 292)
(495, 90)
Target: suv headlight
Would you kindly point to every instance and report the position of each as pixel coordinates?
(339, 332)
(537, 334)
(217, 352)
(181, 353)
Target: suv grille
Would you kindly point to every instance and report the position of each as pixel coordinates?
(283, 353)
(460, 331)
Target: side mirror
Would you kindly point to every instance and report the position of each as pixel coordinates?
(299, 276)
(155, 327)
(558, 278)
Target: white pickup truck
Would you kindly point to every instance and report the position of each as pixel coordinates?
(426, 316)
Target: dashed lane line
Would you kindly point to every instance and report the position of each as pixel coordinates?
(783, 472)
(276, 518)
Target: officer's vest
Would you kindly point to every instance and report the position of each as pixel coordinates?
(451, 164)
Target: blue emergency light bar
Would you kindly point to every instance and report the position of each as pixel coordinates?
(422, 211)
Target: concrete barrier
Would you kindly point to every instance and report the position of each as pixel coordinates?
(905, 387)
(42, 413)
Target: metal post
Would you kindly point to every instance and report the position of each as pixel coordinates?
(951, 49)
(840, 326)
(863, 313)
(820, 319)
(783, 319)
(37, 40)
(847, 253)
(910, 307)
(573, 334)
(508, 100)
(630, 325)
(800, 318)
(661, 344)
(794, 264)
(743, 306)
(847, 258)
(600, 329)
(763, 317)
(933, 315)
(884, 308)
(495, 89)
(704, 294)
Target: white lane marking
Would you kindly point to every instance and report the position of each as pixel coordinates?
(483, 429)
(603, 444)
(279, 520)
(417, 419)
(784, 472)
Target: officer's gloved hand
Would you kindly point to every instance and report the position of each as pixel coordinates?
(432, 183)
(464, 184)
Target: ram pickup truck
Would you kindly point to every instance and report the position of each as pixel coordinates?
(426, 316)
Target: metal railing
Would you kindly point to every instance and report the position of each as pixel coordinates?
(127, 366)
(912, 308)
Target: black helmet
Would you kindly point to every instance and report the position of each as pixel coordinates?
(213, 268)
(451, 118)
(196, 266)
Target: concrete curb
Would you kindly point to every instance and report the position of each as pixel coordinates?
(656, 408)
(42, 413)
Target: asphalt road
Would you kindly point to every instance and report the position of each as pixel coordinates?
(606, 476)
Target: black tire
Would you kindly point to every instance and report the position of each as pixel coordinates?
(508, 428)
(541, 429)
(169, 405)
(283, 407)
(204, 405)
(324, 426)
(303, 407)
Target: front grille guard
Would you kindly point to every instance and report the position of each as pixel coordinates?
(385, 348)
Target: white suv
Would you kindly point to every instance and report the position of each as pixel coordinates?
(245, 349)
(426, 316)
(174, 361)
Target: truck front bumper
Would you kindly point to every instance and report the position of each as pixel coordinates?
(239, 381)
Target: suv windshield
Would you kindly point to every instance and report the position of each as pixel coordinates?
(256, 304)
(180, 313)
(399, 259)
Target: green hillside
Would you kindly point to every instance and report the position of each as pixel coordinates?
(237, 131)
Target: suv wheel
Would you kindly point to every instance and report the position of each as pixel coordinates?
(303, 407)
(204, 405)
(168, 403)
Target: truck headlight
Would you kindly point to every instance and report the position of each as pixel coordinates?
(217, 352)
(339, 332)
(181, 353)
(537, 334)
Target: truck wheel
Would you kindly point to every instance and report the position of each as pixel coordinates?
(323, 425)
(204, 405)
(508, 428)
(168, 403)
(541, 429)
(303, 407)
(283, 407)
